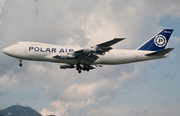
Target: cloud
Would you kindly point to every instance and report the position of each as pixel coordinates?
(60, 106)
(2, 2)
(7, 83)
(91, 96)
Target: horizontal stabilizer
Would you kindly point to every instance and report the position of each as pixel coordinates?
(160, 52)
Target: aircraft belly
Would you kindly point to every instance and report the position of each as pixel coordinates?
(116, 59)
(123, 56)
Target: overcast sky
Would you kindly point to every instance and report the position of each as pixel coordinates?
(148, 88)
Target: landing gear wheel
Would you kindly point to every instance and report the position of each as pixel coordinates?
(20, 64)
(79, 71)
(78, 67)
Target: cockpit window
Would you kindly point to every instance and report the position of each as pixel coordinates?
(17, 43)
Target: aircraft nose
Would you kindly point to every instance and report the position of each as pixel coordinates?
(7, 51)
(4, 50)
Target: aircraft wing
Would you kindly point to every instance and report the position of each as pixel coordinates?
(100, 48)
(111, 42)
(88, 54)
(105, 47)
(89, 59)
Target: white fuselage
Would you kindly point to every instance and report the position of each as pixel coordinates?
(44, 52)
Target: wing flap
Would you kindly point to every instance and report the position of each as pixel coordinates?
(89, 59)
(160, 52)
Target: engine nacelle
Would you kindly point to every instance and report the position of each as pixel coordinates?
(66, 56)
(88, 50)
(64, 66)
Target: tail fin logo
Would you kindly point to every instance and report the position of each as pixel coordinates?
(157, 42)
(160, 40)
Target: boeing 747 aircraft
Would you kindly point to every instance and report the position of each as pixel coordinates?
(88, 58)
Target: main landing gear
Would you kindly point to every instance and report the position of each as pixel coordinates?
(20, 63)
(85, 67)
(78, 68)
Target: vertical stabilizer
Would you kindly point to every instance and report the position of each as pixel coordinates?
(157, 42)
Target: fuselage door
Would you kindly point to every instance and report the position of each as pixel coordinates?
(25, 50)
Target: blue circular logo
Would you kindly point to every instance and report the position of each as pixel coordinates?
(160, 40)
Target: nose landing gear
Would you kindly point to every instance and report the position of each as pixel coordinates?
(20, 63)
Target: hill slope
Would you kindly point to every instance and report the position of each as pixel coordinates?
(18, 110)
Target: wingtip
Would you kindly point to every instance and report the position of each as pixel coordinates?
(119, 38)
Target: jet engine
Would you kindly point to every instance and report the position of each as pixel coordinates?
(66, 56)
(64, 66)
(88, 50)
